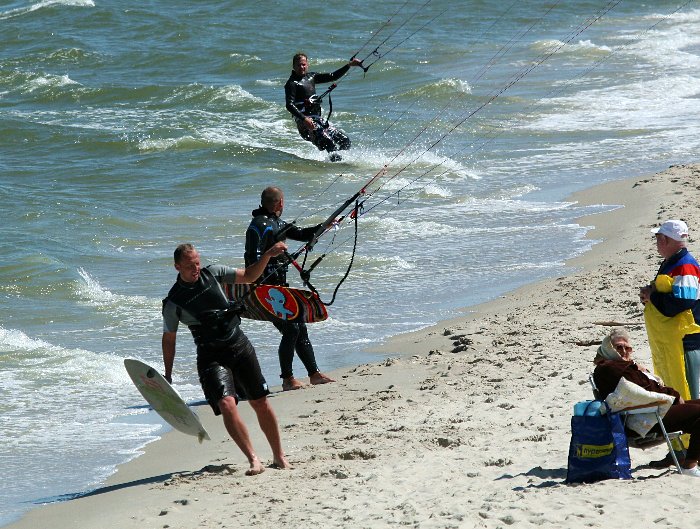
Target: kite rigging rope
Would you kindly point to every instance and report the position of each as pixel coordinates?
(366, 192)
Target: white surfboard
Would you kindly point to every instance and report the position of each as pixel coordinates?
(164, 399)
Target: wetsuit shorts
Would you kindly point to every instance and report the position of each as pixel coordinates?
(232, 371)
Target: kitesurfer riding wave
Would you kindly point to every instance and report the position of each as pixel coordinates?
(305, 105)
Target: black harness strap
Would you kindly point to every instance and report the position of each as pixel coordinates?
(330, 109)
(319, 99)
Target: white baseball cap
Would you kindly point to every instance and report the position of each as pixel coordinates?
(675, 229)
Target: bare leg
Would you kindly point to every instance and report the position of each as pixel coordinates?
(239, 433)
(269, 426)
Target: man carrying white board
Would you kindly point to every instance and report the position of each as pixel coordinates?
(226, 360)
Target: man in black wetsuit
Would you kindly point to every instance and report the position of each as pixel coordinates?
(300, 93)
(226, 361)
(266, 229)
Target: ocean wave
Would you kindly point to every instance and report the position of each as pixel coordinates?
(404, 189)
(504, 204)
(59, 57)
(415, 229)
(121, 314)
(435, 190)
(49, 82)
(429, 175)
(528, 265)
(647, 104)
(444, 88)
(270, 82)
(254, 133)
(333, 325)
(67, 55)
(668, 47)
(584, 48)
(46, 85)
(520, 191)
(692, 15)
(45, 4)
(242, 58)
(194, 99)
(13, 340)
(163, 144)
(324, 64)
(201, 94)
(90, 290)
(426, 165)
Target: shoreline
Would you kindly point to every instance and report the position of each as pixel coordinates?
(602, 228)
(468, 427)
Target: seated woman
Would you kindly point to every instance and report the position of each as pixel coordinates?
(614, 361)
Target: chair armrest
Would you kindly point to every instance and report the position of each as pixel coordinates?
(650, 407)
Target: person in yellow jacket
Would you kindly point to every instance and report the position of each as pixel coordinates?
(672, 311)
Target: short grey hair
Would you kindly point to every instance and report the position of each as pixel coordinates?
(619, 332)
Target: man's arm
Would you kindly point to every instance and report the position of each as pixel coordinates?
(682, 292)
(295, 233)
(669, 305)
(330, 77)
(254, 271)
(168, 343)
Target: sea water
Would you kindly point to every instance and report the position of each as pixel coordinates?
(129, 127)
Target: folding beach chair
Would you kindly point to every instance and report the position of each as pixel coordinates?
(651, 439)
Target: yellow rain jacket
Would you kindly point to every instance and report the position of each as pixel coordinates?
(666, 340)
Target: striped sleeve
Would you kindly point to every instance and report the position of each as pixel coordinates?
(686, 281)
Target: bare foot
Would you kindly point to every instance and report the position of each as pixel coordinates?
(281, 464)
(291, 383)
(255, 468)
(320, 378)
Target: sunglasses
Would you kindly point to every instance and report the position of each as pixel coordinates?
(622, 348)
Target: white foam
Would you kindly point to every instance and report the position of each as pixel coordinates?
(544, 46)
(133, 311)
(648, 104)
(183, 142)
(242, 58)
(452, 85)
(12, 339)
(45, 3)
(400, 228)
(92, 289)
(437, 191)
(236, 93)
(48, 81)
(73, 3)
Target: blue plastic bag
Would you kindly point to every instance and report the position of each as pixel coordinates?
(598, 448)
(588, 407)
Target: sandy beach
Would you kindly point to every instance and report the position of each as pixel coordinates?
(466, 425)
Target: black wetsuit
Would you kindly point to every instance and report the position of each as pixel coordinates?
(226, 360)
(299, 91)
(265, 230)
